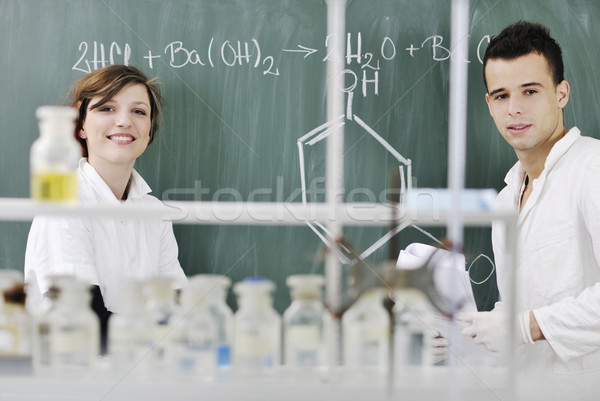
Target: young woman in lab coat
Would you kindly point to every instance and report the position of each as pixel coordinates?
(119, 111)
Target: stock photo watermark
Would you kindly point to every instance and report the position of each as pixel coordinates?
(280, 205)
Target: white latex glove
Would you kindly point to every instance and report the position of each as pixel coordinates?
(491, 328)
(439, 348)
(450, 277)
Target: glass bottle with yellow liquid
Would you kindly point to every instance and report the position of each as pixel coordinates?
(55, 156)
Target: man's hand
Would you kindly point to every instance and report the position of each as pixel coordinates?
(491, 328)
(534, 328)
(439, 348)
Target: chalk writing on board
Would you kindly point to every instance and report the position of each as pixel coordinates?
(232, 53)
(323, 131)
(301, 49)
(176, 55)
(388, 50)
(370, 61)
(99, 53)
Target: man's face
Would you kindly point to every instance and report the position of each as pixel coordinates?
(525, 104)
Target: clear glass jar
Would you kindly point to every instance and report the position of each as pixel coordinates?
(303, 322)
(15, 329)
(55, 156)
(257, 327)
(366, 332)
(202, 327)
(129, 333)
(42, 344)
(68, 335)
(413, 319)
(215, 288)
(160, 307)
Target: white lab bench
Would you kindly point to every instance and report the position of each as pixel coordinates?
(432, 383)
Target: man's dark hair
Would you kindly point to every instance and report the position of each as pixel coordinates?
(522, 38)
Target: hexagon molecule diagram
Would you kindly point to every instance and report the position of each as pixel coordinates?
(322, 132)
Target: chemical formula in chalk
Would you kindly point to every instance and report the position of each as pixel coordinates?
(234, 53)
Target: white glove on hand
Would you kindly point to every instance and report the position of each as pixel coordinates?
(491, 328)
(439, 348)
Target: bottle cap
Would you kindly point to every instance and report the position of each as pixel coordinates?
(56, 120)
(209, 281)
(200, 287)
(305, 281)
(254, 286)
(74, 291)
(60, 112)
(131, 295)
(9, 278)
(15, 294)
(160, 287)
(59, 281)
(305, 285)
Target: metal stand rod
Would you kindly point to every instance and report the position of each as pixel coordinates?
(336, 32)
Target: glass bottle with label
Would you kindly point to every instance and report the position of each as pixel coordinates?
(42, 346)
(15, 328)
(129, 332)
(366, 332)
(215, 287)
(55, 155)
(195, 332)
(160, 307)
(303, 322)
(413, 318)
(257, 327)
(66, 337)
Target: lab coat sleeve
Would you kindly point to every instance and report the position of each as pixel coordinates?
(169, 262)
(571, 326)
(58, 245)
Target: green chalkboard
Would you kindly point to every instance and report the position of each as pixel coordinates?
(245, 79)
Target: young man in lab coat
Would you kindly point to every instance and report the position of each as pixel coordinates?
(555, 186)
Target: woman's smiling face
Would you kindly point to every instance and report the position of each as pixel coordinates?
(118, 132)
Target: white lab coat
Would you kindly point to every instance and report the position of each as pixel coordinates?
(558, 267)
(101, 251)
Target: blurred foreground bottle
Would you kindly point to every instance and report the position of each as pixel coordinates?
(257, 327)
(55, 155)
(15, 326)
(413, 319)
(66, 331)
(195, 332)
(215, 287)
(160, 307)
(303, 322)
(366, 331)
(129, 333)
